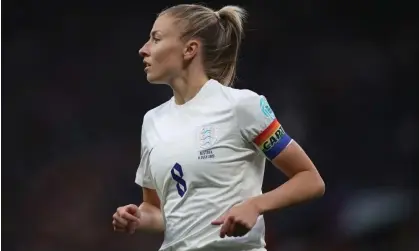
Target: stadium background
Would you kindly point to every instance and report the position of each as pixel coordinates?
(340, 75)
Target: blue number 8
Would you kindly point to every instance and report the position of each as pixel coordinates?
(178, 177)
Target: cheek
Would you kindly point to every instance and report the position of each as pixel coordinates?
(174, 62)
(168, 56)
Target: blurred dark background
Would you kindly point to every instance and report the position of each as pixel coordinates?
(341, 76)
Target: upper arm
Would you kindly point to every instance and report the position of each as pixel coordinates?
(259, 125)
(293, 160)
(143, 176)
(150, 196)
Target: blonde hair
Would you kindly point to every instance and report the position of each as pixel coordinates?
(220, 32)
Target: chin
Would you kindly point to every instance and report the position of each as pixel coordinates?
(154, 80)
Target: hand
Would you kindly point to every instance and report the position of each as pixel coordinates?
(126, 219)
(239, 220)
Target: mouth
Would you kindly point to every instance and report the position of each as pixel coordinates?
(147, 65)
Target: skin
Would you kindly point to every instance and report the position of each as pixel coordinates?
(178, 63)
(304, 183)
(173, 61)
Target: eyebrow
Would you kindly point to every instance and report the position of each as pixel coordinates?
(153, 33)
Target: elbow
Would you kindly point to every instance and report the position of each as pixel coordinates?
(320, 186)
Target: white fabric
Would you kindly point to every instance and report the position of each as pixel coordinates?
(210, 141)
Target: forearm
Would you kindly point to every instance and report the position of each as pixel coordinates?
(301, 187)
(151, 218)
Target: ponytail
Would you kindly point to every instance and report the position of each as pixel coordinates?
(232, 21)
(220, 32)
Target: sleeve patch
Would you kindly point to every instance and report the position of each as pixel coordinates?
(266, 109)
(272, 140)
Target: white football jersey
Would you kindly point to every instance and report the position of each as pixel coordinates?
(204, 157)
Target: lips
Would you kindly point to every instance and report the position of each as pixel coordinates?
(147, 65)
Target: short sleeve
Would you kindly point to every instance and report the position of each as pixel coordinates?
(259, 125)
(143, 176)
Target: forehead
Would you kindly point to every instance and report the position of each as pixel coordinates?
(166, 25)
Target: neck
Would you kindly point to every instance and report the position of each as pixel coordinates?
(187, 86)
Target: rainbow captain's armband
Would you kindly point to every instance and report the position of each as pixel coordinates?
(272, 140)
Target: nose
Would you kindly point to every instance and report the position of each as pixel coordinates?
(144, 52)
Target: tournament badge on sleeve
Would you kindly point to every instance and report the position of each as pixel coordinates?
(266, 109)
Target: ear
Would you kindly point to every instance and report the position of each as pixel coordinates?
(191, 49)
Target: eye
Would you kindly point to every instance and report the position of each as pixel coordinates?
(155, 40)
